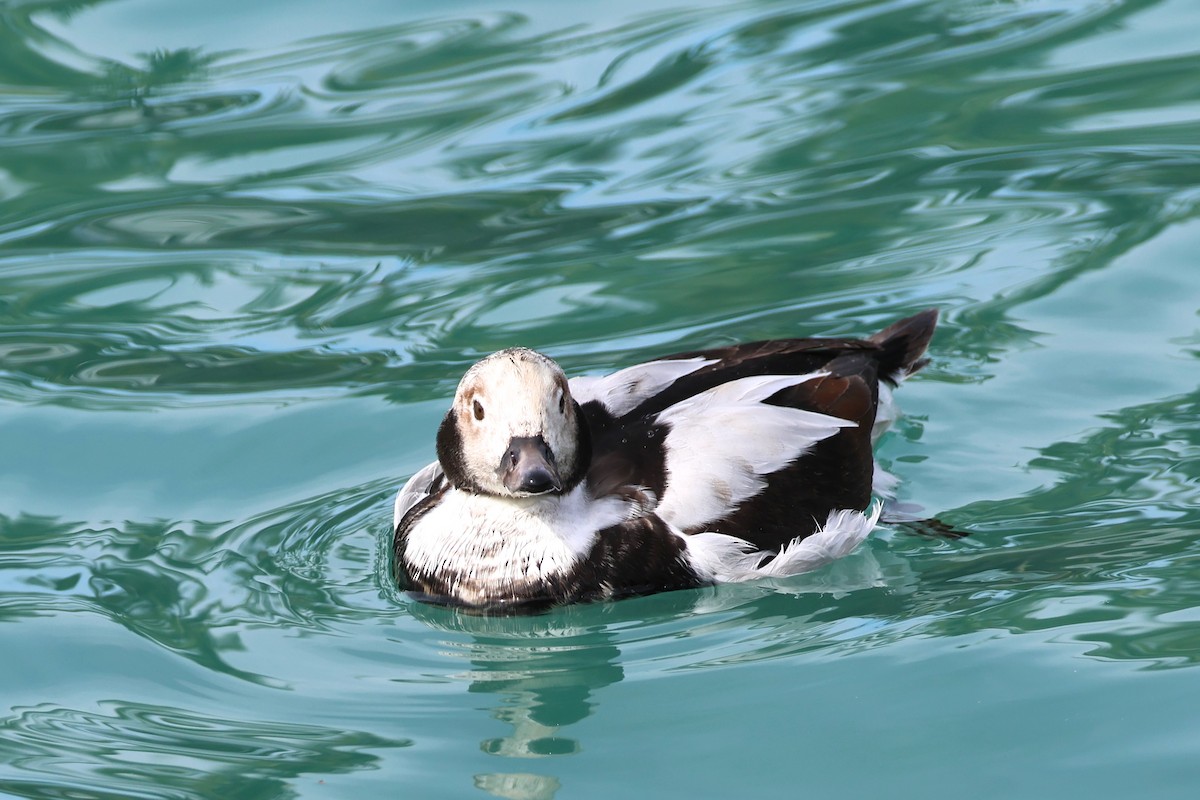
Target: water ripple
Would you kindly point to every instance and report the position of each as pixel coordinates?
(138, 750)
(368, 209)
(461, 141)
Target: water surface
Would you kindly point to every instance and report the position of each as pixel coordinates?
(247, 250)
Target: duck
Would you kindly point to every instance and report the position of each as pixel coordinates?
(728, 464)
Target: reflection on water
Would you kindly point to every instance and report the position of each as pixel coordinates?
(241, 275)
(270, 188)
(192, 587)
(130, 748)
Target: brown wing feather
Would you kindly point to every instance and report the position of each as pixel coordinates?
(835, 474)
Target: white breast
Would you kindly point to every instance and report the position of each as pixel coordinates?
(484, 546)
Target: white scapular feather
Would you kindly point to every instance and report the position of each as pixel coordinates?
(723, 442)
(626, 389)
(723, 558)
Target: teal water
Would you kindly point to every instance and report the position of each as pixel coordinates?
(247, 250)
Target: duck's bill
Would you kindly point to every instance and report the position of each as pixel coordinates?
(528, 467)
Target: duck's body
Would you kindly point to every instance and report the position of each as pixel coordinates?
(701, 467)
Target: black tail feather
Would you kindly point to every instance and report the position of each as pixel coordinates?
(903, 344)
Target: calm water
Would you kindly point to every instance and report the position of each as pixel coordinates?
(247, 249)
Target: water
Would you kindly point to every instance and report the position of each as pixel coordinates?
(247, 249)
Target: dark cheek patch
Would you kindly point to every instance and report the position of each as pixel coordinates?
(450, 453)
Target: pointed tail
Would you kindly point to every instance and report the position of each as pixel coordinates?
(903, 344)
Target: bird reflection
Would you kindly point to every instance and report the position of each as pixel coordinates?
(547, 672)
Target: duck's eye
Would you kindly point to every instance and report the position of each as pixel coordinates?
(562, 403)
(477, 408)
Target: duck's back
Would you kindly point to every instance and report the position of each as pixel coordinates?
(836, 472)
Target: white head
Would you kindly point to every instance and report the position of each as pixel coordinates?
(513, 430)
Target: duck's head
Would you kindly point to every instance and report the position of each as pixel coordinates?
(514, 430)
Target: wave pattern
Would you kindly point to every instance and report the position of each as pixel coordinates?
(330, 195)
(199, 242)
(125, 746)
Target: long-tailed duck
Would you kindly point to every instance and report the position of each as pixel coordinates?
(717, 465)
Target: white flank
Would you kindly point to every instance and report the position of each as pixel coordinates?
(886, 413)
(723, 442)
(625, 390)
(884, 483)
(725, 558)
(414, 490)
